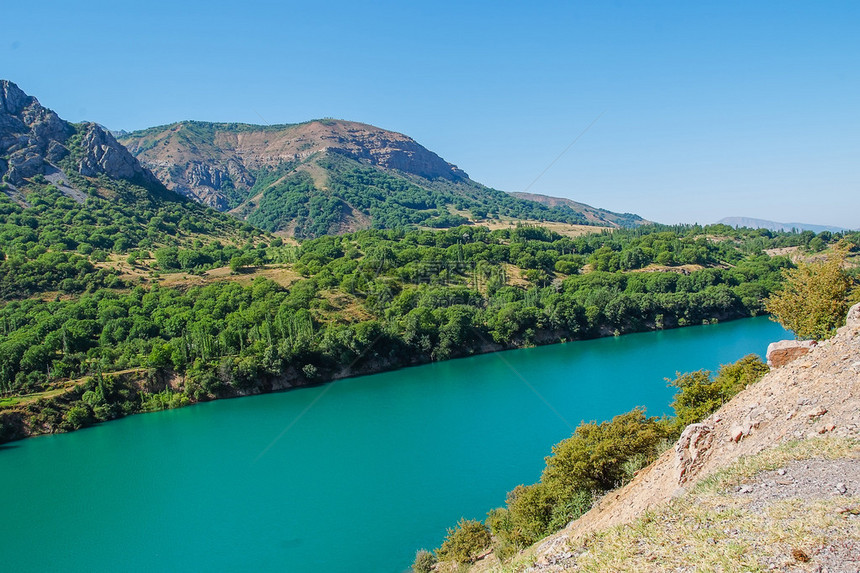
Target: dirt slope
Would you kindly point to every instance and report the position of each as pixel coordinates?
(816, 396)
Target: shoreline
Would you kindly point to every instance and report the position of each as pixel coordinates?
(26, 420)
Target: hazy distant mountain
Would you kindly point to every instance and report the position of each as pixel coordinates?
(331, 176)
(776, 226)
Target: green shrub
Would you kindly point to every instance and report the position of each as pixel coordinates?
(573, 508)
(530, 508)
(507, 540)
(594, 457)
(699, 395)
(424, 561)
(465, 542)
(77, 417)
(814, 299)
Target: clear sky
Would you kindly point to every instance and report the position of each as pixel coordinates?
(709, 109)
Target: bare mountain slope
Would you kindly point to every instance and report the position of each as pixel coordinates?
(215, 162)
(330, 176)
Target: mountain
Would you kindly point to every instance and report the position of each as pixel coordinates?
(592, 214)
(331, 176)
(775, 226)
(35, 141)
(70, 194)
(217, 164)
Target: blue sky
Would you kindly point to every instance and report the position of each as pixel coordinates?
(709, 109)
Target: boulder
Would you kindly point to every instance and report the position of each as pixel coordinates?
(56, 152)
(23, 164)
(692, 448)
(853, 319)
(785, 351)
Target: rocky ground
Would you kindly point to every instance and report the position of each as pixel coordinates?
(771, 481)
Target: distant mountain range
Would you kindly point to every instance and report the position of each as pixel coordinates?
(331, 176)
(776, 226)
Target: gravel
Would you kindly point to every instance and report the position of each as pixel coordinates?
(808, 479)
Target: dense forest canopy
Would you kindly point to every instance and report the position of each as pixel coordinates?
(88, 292)
(292, 199)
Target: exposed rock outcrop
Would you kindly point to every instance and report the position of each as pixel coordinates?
(104, 154)
(35, 139)
(216, 163)
(28, 134)
(693, 445)
(853, 319)
(207, 183)
(785, 351)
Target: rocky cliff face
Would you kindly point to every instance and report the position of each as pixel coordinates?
(30, 135)
(216, 163)
(33, 139)
(104, 154)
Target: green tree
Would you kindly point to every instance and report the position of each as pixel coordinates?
(465, 542)
(240, 262)
(594, 458)
(700, 394)
(814, 299)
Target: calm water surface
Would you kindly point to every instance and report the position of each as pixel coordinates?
(351, 476)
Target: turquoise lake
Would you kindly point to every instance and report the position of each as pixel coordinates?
(350, 476)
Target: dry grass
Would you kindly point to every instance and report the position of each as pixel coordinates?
(681, 269)
(284, 275)
(828, 448)
(341, 307)
(712, 528)
(715, 532)
(565, 229)
(790, 252)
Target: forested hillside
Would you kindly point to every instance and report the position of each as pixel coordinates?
(119, 296)
(265, 315)
(332, 176)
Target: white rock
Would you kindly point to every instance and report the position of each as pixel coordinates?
(853, 319)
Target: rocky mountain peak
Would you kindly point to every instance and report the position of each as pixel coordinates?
(104, 154)
(381, 147)
(33, 139)
(12, 99)
(209, 161)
